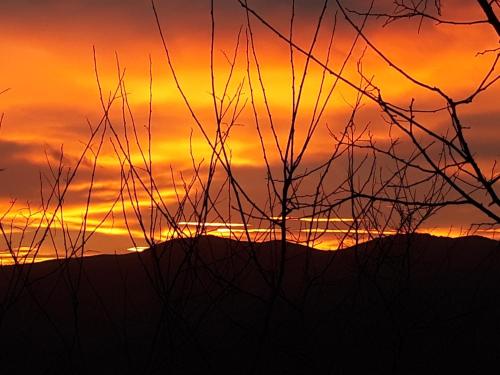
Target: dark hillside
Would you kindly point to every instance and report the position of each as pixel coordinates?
(401, 304)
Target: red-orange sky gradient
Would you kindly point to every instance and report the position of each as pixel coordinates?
(47, 64)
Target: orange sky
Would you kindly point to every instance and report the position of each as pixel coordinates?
(47, 63)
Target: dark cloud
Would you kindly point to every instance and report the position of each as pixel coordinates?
(135, 13)
(20, 176)
(66, 122)
(23, 165)
(481, 133)
(139, 12)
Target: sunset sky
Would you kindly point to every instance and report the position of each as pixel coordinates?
(47, 65)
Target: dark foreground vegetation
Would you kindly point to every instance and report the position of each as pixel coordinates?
(400, 304)
(403, 304)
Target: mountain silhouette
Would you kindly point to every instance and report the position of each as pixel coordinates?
(399, 304)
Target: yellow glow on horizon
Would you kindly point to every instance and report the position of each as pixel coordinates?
(327, 220)
(138, 249)
(210, 224)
